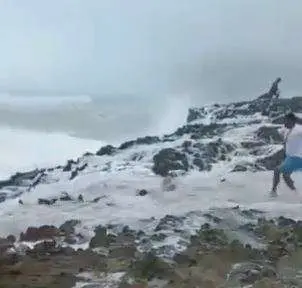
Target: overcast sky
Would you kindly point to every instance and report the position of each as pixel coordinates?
(210, 48)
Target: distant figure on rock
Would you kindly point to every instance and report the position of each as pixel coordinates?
(273, 92)
(293, 153)
(269, 97)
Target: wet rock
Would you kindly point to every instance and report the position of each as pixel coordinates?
(142, 192)
(252, 213)
(195, 113)
(150, 267)
(106, 150)
(279, 119)
(213, 218)
(69, 226)
(200, 164)
(248, 273)
(198, 131)
(21, 179)
(286, 222)
(210, 153)
(96, 200)
(251, 144)
(44, 248)
(34, 234)
(2, 197)
(271, 161)
(210, 236)
(38, 180)
(187, 145)
(269, 134)
(81, 198)
(68, 166)
(148, 140)
(42, 201)
(123, 252)
(100, 238)
(65, 197)
(76, 171)
(158, 237)
(169, 222)
(168, 160)
(20, 202)
(239, 168)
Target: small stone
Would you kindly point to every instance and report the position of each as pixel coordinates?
(69, 226)
(96, 200)
(42, 201)
(142, 192)
(65, 197)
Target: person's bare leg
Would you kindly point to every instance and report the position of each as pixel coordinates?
(289, 181)
(276, 181)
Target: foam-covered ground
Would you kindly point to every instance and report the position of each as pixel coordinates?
(120, 204)
(116, 177)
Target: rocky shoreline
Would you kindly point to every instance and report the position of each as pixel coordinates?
(213, 257)
(223, 247)
(197, 145)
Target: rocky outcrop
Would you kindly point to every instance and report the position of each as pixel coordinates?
(106, 150)
(272, 161)
(167, 160)
(214, 256)
(269, 134)
(198, 131)
(21, 179)
(148, 140)
(34, 234)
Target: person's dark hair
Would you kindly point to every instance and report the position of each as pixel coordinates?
(290, 116)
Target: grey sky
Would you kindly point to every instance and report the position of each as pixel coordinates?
(214, 49)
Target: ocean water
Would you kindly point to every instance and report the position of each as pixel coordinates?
(42, 130)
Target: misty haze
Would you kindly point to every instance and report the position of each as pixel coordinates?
(208, 49)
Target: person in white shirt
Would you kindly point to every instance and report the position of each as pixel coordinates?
(293, 153)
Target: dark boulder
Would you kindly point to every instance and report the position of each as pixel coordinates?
(100, 238)
(106, 150)
(148, 140)
(21, 179)
(271, 161)
(239, 168)
(251, 144)
(142, 192)
(198, 131)
(2, 197)
(65, 197)
(34, 234)
(42, 201)
(195, 113)
(269, 134)
(169, 159)
(69, 165)
(69, 226)
(76, 171)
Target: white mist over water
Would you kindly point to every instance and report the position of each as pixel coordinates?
(40, 131)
